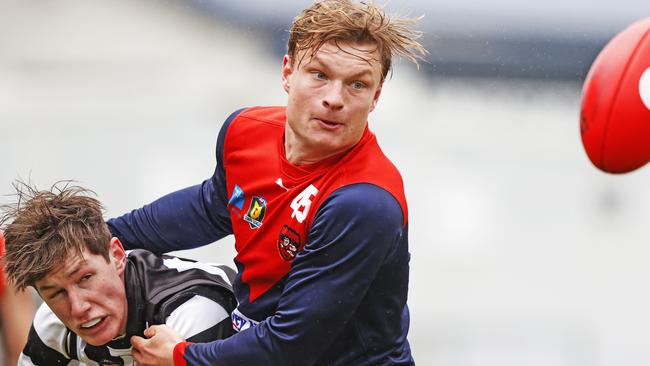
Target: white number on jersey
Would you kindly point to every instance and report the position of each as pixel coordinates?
(302, 202)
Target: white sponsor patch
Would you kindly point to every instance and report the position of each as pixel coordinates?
(241, 322)
(644, 88)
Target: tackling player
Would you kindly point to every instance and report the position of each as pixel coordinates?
(96, 296)
(318, 212)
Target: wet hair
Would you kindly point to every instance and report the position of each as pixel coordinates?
(362, 22)
(43, 229)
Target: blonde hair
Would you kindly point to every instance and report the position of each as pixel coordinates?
(345, 20)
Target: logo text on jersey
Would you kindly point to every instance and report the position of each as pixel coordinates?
(288, 243)
(241, 322)
(256, 212)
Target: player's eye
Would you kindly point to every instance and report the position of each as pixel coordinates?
(56, 294)
(319, 75)
(358, 85)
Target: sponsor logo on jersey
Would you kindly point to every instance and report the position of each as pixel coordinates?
(288, 243)
(240, 321)
(279, 183)
(256, 212)
(237, 198)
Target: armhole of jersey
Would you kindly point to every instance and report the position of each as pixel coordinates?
(223, 133)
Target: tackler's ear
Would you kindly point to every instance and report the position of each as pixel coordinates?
(287, 71)
(375, 99)
(116, 254)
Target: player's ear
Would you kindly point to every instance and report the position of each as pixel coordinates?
(287, 70)
(375, 98)
(116, 254)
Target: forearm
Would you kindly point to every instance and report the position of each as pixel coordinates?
(185, 219)
(17, 311)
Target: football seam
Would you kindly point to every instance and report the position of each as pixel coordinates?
(618, 89)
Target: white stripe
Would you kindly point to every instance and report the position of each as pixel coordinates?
(181, 265)
(24, 360)
(50, 329)
(196, 315)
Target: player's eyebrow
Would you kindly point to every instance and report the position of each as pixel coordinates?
(74, 270)
(319, 62)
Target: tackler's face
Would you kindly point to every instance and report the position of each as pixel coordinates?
(331, 94)
(88, 295)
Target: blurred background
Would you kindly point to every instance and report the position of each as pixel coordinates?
(522, 252)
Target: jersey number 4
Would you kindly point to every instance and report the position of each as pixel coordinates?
(302, 202)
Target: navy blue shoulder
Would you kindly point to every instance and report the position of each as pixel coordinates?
(222, 134)
(362, 200)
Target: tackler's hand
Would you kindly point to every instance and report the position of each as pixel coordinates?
(158, 348)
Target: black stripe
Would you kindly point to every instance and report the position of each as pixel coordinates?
(219, 331)
(41, 354)
(72, 345)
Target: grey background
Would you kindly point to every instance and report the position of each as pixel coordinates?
(522, 252)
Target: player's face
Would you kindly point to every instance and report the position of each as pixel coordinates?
(87, 294)
(330, 97)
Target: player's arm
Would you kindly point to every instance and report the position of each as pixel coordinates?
(16, 312)
(353, 233)
(185, 219)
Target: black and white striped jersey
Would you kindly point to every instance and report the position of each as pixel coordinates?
(195, 299)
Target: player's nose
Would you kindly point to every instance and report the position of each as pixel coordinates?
(333, 97)
(79, 305)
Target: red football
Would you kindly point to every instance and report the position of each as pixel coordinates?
(615, 114)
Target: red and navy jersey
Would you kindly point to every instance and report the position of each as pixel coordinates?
(322, 249)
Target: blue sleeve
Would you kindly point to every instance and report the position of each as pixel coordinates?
(185, 219)
(353, 233)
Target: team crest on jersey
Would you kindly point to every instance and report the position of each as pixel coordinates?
(288, 243)
(256, 212)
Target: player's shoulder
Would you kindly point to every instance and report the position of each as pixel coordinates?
(49, 331)
(264, 112)
(268, 115)
(164, 275)
(363, 200)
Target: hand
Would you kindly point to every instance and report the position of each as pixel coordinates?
(158, 349)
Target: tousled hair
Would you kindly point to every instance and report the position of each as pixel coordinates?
(43, 229)
(364, 22)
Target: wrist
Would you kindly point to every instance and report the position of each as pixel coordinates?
(179, 353)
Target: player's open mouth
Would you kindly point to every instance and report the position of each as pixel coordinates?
(327, 123)
(92, 323)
